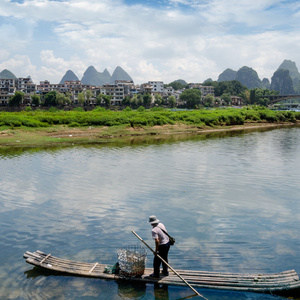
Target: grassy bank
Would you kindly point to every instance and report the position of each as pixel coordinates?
(35, 128)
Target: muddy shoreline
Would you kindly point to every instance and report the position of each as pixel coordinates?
(60, 135)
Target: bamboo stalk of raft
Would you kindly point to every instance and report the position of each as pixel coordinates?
(64, 263)
(204, 275)
(267, 283)
(284, 275)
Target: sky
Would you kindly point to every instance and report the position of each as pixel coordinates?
(162, 40)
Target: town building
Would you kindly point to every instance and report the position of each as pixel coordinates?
(146, 88)
(205, 90)
(25, 85)
(4, 98)
(8, 86)
(116, 92)
(157, 86)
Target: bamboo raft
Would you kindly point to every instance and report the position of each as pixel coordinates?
(286, 282)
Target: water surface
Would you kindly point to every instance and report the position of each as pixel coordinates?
(231, 201)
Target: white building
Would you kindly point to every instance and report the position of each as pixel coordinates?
(116, 92)
(169, 90)
(157, 86)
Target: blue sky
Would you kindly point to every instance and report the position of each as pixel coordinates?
(151, 39)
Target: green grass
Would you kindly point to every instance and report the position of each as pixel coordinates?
(34, 128)
(97, 117)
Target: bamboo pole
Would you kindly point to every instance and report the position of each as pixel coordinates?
(168, 265)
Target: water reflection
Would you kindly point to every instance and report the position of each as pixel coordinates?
(128, 291)
(161, 291)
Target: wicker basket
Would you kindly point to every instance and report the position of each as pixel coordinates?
(132, 260)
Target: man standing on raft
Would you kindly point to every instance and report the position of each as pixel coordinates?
(162, 246)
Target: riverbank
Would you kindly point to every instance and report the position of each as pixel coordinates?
(61, 135)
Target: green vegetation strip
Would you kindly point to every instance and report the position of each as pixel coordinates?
(100, 117)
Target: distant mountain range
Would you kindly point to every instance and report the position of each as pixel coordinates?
(285, 80)
(92, 77)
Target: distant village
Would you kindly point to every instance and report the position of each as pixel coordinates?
(117, 92)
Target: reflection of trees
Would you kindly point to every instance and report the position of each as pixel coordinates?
(132, 291)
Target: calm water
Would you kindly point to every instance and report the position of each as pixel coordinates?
(232, 202)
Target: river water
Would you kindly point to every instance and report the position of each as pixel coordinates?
(231, 201)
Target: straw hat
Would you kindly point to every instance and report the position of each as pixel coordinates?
(153, 220)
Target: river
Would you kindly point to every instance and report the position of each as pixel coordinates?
(230, 200)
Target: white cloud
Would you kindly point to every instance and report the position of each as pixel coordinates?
(187, 39)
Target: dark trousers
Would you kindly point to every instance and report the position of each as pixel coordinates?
(163, 253)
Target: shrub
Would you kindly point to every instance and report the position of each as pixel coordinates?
(53, 109)
(141, 109)
(98, 109)
(138, 121)
(157, 108)
(79, 109)
(127, 109)
(74, 124)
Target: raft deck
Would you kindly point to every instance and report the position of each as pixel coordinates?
(286, 282)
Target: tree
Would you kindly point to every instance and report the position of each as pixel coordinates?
(252, 96)
(246, 96)
(35, 100)
(61, 99)
(172, 101)
(209, 100)
(232, 87)
(263, 101)
(88, 95)
(107, 100)
(192, 97)
(226, 97)
(147, 100)
(68, 100)
(158, 99)
(16, 99)
(134, 101)
(50, 99)
(178, 84)
(81, 98)
(257, 95)
(99, 99)
(126, 101)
